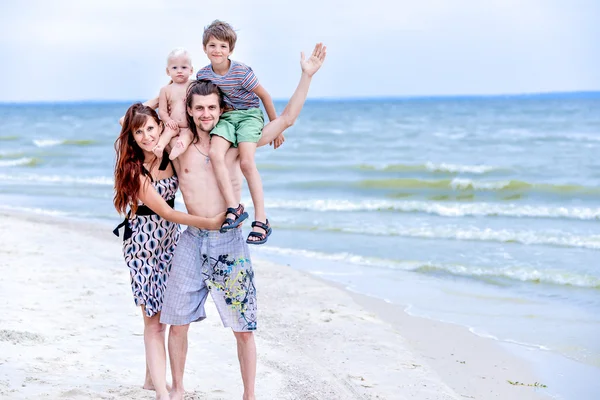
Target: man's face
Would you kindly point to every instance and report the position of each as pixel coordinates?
(205, 111)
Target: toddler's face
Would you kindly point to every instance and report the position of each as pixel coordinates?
(179, 69)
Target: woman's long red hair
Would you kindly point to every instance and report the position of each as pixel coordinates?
(130, 158)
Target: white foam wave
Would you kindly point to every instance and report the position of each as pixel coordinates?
(444, 209)
(579, 137)
(451, 136)
(34, 178)
(35, 210)
(562, 239)
(341, 257)
(523, 274)
(334, 131)
(47, 142)
(518, 273)
(16, 162)
(456, 168)
(462, 183)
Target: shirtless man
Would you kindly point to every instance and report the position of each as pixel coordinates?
(210, 261)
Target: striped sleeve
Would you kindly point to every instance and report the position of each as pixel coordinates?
(203, 74)
(250, 81)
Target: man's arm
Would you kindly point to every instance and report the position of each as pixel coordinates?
(287, 118)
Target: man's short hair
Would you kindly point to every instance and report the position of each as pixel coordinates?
(201, 87)
(221, 31)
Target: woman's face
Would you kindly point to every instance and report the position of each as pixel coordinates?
(147, 136)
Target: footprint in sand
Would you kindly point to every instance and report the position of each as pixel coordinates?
(17, 337)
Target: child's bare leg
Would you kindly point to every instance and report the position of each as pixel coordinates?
(181, 144)
(163, 141)
(250, 171)
(218, 148)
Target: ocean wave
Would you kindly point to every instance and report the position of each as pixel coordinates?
(7, 154)
(522, 274)
(34, 178)
(543, 136)
(46, 142)
(24, 161)
(37, 210)
(464, 184)
(432, 167)
(449, 232)
(444, 209)
(456, 168)
(342, 257)
(516, 273)
(56, 142)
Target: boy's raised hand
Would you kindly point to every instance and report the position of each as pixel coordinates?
(314, 62)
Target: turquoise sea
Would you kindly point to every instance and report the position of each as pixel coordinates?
(481, 211)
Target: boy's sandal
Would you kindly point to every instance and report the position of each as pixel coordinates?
(262, 237)
(240, 216)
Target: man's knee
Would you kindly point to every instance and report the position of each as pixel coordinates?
(178, 330)
(244, 337)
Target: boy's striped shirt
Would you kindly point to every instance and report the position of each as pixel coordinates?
(237, 85)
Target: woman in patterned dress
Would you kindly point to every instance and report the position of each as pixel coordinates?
(147, 184)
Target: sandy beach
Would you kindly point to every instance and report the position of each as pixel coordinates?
(70, 330)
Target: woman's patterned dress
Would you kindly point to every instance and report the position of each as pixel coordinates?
(148, 251)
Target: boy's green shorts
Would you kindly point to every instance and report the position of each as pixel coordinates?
(240, 126)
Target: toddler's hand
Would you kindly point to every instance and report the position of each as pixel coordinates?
(173, 125)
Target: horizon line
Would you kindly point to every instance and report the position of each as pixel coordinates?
(556, 94)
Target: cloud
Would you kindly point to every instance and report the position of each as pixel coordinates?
(63, 50)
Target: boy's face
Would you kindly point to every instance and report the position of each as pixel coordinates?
(205, 111)
(217, 51)
(179, 69)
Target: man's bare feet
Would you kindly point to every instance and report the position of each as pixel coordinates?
(177, 394)
(164, 396)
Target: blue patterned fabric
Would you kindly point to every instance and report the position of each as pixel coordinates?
(149, 251)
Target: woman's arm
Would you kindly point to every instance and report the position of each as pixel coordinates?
(150, 197)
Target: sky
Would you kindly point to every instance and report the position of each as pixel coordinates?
(75, 50)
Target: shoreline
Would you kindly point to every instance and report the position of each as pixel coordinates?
(71, 330)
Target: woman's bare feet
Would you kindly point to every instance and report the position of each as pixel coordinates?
(148, 385)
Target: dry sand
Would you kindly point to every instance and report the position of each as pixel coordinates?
(70, 330)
